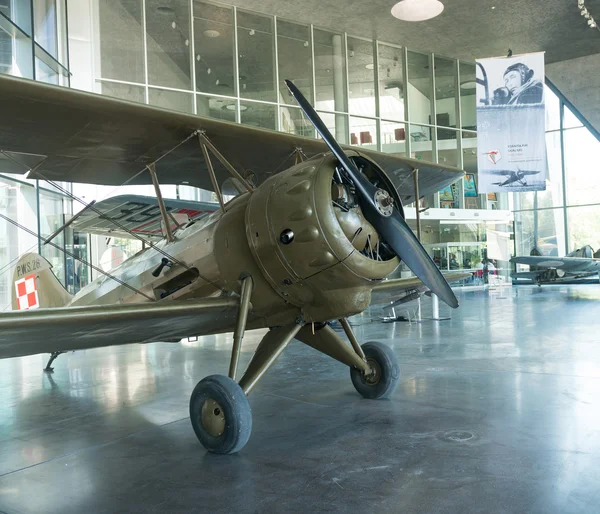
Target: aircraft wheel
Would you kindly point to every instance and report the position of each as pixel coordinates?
(386, 372)
(220, 414)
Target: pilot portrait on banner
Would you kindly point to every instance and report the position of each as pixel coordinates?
(511, 124)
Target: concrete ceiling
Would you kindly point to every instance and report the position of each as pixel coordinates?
(466, 29)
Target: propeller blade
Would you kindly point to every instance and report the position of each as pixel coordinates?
(396, 232)
(393, 228)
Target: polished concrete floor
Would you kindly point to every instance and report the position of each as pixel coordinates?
(498, 411)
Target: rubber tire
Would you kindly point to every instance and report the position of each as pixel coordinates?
(236, 409)
(390, 372)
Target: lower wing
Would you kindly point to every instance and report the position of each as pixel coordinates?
(392, 290)
(27, 332)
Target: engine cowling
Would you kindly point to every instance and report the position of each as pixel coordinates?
(307, 248)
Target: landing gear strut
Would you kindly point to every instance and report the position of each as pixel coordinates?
(219, 408)
(53, 357)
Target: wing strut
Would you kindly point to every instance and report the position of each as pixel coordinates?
(213, 177)
(161, 203)
(224, 161)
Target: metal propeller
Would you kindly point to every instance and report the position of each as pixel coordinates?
(378, 209)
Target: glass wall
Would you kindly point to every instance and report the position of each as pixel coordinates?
(564, 217)
(33, 40)
(369, 93)
(33, 45)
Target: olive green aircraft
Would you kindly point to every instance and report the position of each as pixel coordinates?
(309, 237)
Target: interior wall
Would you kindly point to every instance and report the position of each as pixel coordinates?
(579, 81)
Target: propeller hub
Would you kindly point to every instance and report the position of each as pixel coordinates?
(384, 203)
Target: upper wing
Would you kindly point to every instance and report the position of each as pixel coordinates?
(391, 290)
(138, 214)
(67, 135)
(569, 264)
(26, 332)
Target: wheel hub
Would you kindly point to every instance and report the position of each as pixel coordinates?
(374, 377)
(212, 418)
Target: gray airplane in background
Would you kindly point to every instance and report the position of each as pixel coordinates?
(544, 269)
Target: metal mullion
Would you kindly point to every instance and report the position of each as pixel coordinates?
(276, 72)
(33, 73)
(347, 76)
(564, 176)
(236, 67)
(145, 43)
(314, 77)
(68, 56)
(408, 145)
(434, 145)
(459, 149)
(376, 93)
(193, 58)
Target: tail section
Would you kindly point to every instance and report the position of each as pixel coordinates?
(35, 286)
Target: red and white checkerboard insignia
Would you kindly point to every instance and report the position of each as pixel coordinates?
(27, 295)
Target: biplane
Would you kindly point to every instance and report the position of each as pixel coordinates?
(309, 236)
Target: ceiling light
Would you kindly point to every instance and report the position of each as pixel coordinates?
(370, 66)
(174, 25)
(211, 33)
(417, 10)
(233, 107)
(468, 85)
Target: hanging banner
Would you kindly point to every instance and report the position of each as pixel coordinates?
(511, 130)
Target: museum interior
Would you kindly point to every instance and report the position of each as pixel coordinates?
(496, 405)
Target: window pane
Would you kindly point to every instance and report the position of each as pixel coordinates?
(15, 51)
(213, 48)
(361, 75)
(51, 219)
(295, 60)
(447, 147)
(17, 12)
(582, 166)
(330, 71)
(584, 228)
(570, 120)
(553, 195)
(121, 40)
(46, 25)
(445, 92)
(391, 83)
(122, 91)
(540, 229)
(293, 121)
(337, 125)
(471, 182)
(259, 115)
(255, 43)
(468, 101)
(419, 88)
(393, 137)
(48, 70)
(173, 100)
(420, 137)
(169, 48)
(219, 108)
(18, 203)
(363, 132)
(552, 109)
